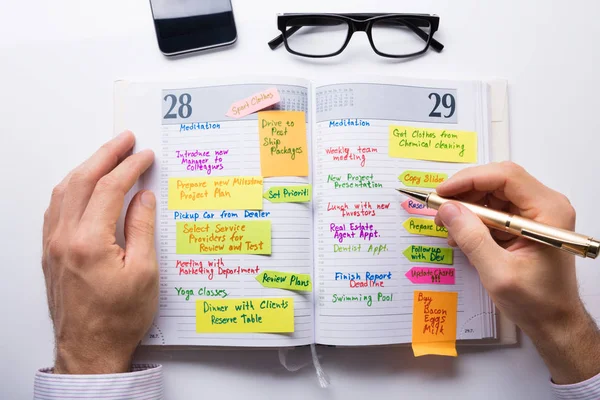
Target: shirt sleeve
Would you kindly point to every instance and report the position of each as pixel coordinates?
(586, 390)
(144, 382)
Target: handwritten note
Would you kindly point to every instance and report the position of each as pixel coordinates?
(434, 323)
(433, 144)
(361, 230)
(422, 179)
(289, 194)
(429, 254)
(251, 315)
(414, 207)
(285, 280)
(283, 146)
(422, 226)
(216, 193)
(188, 294)
(256, 102)
(431, 276)
(203, 161)
(343, 154)
(353, 181)
(240, 237)
(358, 208)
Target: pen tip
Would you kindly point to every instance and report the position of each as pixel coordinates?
(419, 195)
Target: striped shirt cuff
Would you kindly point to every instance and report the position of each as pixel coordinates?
(144, 382)
(586, 390)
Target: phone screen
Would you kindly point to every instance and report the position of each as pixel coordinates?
(188, 25)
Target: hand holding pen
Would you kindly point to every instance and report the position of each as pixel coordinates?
(574, 243)
(534, 284)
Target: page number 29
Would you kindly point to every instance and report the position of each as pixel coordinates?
(185, 108)
(447, 102)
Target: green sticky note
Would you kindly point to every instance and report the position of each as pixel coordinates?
(285, 280)
(429, 254)
(289, 194)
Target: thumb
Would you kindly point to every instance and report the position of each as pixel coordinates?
(471, 235)
(139, 225)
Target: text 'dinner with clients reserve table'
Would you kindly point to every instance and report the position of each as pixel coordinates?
(207, 144)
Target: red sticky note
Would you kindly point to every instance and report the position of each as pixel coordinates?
(414, 207)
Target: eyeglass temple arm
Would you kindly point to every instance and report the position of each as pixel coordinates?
(277, 41)
(437, 46)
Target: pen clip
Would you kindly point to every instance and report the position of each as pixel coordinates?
(578, 249)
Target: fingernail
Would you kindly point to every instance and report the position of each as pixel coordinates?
(448, 212)
(148, 199)
(126, 133)
(148, 151)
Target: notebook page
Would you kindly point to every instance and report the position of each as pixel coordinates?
(362, 294)
(210, 144)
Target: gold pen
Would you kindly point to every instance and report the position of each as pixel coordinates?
(581, 245)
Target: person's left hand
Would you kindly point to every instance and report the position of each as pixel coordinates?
(102, 298)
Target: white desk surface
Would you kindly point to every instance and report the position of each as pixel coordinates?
(57, 66)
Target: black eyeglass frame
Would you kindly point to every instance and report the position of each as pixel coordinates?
(360, 22)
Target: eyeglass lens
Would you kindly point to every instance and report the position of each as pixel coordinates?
(317, 36)
(400, 36)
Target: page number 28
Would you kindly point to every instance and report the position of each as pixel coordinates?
(185, 107)
(447, 101)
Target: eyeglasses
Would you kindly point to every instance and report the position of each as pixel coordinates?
(327, 35)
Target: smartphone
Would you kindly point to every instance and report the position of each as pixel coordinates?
(184, 26)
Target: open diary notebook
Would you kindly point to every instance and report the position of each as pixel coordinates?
(284, 228)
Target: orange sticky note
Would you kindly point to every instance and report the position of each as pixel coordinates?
(283, 148)
(434, 323)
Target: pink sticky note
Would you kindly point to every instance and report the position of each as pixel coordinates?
(256, 102)
(431, 276)
(414, 207)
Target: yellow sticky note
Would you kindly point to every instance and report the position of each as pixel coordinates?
(422, 179)
(283, 146)
(289, 194)
(424, 226)
(434, 323)
(216, 193)
(433, 144)
(251, 315)
(285, 280)
(240, 237)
